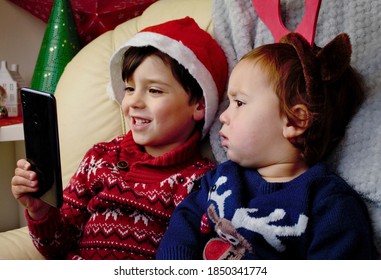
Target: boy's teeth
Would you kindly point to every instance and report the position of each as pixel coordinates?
(141, 121)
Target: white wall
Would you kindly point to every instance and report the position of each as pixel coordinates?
(21, 35)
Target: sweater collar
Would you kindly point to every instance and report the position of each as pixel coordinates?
(251, 177)
(190, 149)
(303, 179)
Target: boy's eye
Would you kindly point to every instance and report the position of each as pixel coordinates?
(155, 91)
(128, 90)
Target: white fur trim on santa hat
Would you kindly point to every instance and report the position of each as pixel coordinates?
(179, 52)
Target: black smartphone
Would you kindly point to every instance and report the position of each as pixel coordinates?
(42, 143)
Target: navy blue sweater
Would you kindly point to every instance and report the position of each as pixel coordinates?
(314, 216)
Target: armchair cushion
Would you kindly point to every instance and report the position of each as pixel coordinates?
(17, 245)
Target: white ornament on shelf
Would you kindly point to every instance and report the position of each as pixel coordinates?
(12, 82)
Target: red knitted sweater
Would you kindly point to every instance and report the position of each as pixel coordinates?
(118, 203)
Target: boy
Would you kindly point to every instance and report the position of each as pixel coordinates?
(118, 203)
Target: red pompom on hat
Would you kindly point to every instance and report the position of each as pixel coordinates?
(192, 47)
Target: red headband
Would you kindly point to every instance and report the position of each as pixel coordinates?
(325, 64)
(269, 12)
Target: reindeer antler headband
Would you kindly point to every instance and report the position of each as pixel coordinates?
(325, 64)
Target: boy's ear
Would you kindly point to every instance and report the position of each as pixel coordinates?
(301, 123)
(199, 111)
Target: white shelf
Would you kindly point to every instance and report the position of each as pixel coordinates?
(13, 132)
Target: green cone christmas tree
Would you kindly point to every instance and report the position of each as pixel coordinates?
(59, 45)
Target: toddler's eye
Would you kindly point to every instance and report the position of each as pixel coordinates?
(238, 103)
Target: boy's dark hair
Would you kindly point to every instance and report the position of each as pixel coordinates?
(331, 104)
(134, 56)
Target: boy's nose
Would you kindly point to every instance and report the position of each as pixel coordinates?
(135, 100)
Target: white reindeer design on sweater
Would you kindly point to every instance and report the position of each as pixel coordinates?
(261, 225)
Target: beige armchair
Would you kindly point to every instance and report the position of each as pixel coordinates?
(87, 115)
(85, 112)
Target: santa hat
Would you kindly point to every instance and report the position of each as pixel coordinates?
(192, 47)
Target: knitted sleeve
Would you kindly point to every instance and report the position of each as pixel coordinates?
(340, 228)
(183, 239)
(59, 233)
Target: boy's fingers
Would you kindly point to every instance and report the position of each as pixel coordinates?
(30, 175)
(23, 164)
(18, 181)
(26, 165)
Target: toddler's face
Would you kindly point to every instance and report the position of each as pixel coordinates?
(252, 124)
(157, 108)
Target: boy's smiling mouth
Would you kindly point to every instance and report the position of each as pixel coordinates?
(139, 121)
